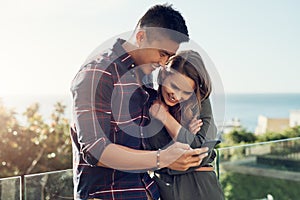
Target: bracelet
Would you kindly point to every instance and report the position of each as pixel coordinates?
(158, 159)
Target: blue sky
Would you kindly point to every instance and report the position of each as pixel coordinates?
(255, 45)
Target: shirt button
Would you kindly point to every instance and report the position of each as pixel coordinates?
(132, 65)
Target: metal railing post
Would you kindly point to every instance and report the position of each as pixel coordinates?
(218, 164)
(23, 188)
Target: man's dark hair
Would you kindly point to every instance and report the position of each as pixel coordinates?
(165, 17)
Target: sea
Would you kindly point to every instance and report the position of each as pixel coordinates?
(243, 107)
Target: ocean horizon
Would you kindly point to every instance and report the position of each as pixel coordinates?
(246, 107)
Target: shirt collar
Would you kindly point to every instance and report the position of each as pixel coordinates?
(122, 55)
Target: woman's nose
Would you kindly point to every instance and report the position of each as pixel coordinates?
(178, 96)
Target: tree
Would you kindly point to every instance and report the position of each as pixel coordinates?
(292, 132)
(37, 146)
(269, 136)
(239, 136)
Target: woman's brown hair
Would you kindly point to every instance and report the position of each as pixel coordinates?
(190, 64)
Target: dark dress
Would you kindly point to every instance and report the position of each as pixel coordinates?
(190, 184)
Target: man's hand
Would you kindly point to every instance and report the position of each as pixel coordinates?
(181, 157)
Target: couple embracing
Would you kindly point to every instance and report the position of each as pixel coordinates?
(125, 128)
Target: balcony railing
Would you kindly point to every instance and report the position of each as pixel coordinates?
(267, 170)
(11, 188)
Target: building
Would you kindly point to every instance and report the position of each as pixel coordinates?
(295, 118)
(229, 126)
(265, 124)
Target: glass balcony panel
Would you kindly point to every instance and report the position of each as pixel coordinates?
(56, 185)
(10, 188)
(268, 170)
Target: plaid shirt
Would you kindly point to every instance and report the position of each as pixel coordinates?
(109, 107)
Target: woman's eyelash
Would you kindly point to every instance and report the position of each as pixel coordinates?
(174, 87)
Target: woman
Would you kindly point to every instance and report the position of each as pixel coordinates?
(181, 99)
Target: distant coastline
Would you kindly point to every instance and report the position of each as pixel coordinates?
(244, 106)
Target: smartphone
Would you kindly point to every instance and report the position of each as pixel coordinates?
(210, 144)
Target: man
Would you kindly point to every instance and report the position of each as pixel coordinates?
(110, 112)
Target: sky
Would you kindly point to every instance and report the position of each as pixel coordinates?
(254, 45)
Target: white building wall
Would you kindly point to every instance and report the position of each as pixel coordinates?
(262, 124)
(294, 118)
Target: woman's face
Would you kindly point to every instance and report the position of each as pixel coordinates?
(177, 88)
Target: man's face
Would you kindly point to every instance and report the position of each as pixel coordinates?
(155, 53)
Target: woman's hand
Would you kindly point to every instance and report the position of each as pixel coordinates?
(195, 125)
(159, 110)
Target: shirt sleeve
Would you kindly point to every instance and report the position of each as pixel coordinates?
(91, 90)
(208, 129)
